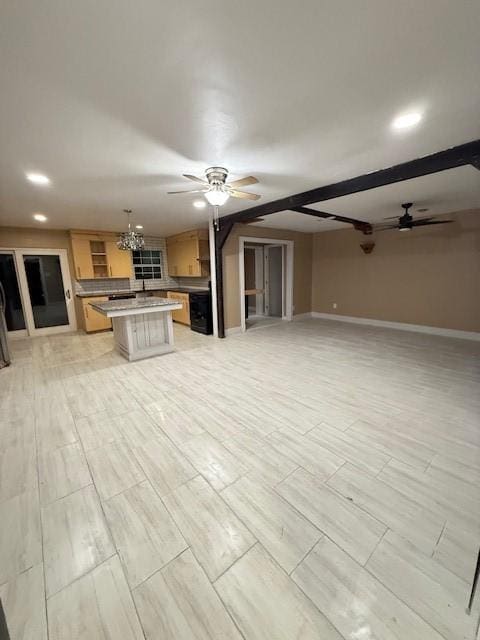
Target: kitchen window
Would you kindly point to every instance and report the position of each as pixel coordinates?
(147, 264)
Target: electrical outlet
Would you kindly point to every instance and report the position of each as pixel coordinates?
(334, 305)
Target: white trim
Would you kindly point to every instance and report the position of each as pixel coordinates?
(402, 326)
(233, 330)
(213, 277)
(259, 282)
(302, 316)
(289, 244)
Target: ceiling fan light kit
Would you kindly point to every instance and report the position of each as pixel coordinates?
(217, 190)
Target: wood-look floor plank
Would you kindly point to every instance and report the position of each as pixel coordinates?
(18, 470)
(114, 469)
(438, 496)
(62, 471)
(305, 452)
(98, 606)
(179, 603)
(354, 530)
(213, 531)
(348, 448)
(97, 430)
(435, 593)
(354, 601)
(213, 461)
(143, 531)
(23, 600)
(266, 603)
(75, 538)
(20, 534)
(392, 443)
(286, 534)
(264, 461)
(163, 464)
(400, 513)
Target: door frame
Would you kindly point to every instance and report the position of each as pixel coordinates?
(31, 330)
(19, 333)
(287, 273)
(266, 278)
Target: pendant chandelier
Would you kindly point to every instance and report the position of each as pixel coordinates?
(130, 240)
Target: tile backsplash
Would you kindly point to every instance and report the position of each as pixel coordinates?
(125, 284)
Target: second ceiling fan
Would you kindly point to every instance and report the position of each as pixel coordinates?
(406, 222)
(216, 188)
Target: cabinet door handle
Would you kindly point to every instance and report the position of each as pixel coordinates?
(86, 311)
(79, 272)
(110, 270)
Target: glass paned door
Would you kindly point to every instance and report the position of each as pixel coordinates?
(45, 287)
(13, 311)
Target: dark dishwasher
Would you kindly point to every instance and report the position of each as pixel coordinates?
(201, 312)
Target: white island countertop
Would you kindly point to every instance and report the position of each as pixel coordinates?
(132, 306)
(142, 327)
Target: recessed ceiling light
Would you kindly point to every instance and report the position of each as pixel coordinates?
(199, 204)
(38, 178)
(407, 120)
(139, 226)
(40, 217)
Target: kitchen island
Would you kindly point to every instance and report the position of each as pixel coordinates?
(142, 327)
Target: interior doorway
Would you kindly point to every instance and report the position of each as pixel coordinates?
(266, 281)
(38, 291)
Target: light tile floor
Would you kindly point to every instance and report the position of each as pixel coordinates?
(311, 480)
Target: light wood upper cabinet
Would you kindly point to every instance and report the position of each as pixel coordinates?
(119, 262)
(82, 258)
(93, 320)
(188, 254)
(96, 255)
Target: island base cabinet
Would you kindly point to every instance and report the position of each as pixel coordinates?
(92, 320)
(143, 335)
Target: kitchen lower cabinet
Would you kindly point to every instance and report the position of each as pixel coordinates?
(93, 320)
(181, 315)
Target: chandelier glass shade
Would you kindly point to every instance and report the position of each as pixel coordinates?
(130, 240)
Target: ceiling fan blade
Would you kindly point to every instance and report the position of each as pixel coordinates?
(385, 227)
(195, 179)
(188, 191)
(243, 194)
(243, 182)
(428, 221)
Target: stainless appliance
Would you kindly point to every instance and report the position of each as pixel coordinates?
(4, 352)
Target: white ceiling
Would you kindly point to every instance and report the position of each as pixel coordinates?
(115, 100)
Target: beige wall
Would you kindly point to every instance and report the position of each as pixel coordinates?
(20, 237)
(429, 276)
(302, 269)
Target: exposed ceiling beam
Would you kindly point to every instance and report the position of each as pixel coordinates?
(459, 156)
(359, 225)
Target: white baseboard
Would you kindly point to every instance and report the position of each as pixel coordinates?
(402, 326)
(302, 316)
(232, 331)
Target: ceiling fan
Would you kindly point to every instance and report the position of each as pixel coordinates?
(406, 222)
(216, 188)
